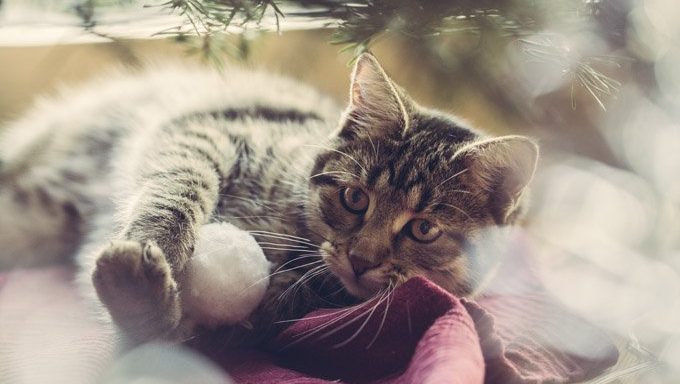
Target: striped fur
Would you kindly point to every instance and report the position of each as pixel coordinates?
(131, 167)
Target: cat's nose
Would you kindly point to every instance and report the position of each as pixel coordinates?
(360, 264)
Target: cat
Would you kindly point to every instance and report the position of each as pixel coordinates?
(124, 172)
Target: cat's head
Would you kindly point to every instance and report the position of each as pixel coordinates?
(404, 191)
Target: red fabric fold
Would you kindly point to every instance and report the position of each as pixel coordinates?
(429, 336)
(514, 333)
(424, 329)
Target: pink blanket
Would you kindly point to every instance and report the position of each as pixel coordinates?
(516, 333)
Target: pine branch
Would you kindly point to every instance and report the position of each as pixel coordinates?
(207, 17)
(359, 23)
(582, 71)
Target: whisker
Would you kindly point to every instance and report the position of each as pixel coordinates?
(340, 289)
(308, 275)
(288, 249)
(312, 275)
(452, 177)
(332, 313)
(457, 209)
(344, 314)
(256, 217)
(304, 278)
(382, 322)
(294, 260)
(318, 234)
(333, 173)
(375, 151)
(296, 242)
(263, 233)
(311, 332)
(279, 272)
(336, 282)
(384, 296)
(284, 245)
(356, 333)
(297, 282)
(307, 318)
(340, 152)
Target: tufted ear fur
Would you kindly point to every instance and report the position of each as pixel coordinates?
(503, 167)
(376, 106)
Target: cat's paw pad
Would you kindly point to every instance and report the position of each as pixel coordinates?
(135, 282)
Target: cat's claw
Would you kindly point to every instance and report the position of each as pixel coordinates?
(134, 281)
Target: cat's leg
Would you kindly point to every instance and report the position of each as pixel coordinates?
(176, 191)
(40, 222)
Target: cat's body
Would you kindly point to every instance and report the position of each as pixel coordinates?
(75, 163)
(130, 168)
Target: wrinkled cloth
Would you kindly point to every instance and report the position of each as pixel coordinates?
(514, 333)
(422, 334)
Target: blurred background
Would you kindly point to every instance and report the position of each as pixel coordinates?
(597, 82)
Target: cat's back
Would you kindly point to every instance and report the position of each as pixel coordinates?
(91, 118)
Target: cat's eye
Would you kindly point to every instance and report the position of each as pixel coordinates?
(354, 200)
(423, 231)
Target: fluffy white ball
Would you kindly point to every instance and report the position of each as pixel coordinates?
(226, 278)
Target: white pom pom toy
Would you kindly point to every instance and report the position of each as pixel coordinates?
(226, 278)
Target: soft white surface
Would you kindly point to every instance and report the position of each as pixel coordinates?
(227, 276)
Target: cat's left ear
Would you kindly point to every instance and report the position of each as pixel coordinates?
(503, 167)
(377, 107)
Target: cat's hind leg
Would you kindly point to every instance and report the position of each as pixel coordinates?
(39, 222)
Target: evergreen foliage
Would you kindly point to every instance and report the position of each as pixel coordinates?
(358, 24)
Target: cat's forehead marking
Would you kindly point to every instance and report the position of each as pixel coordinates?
(401, 220)
(382, 181)
(413, 196)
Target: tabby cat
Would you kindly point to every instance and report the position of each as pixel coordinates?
(125, 171)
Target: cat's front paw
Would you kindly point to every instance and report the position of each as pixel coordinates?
(135, 283)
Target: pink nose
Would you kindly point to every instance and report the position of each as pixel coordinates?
(361, 265)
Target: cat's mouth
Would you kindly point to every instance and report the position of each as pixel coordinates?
(364, 286)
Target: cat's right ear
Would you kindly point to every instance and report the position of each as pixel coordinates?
(376, 108)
